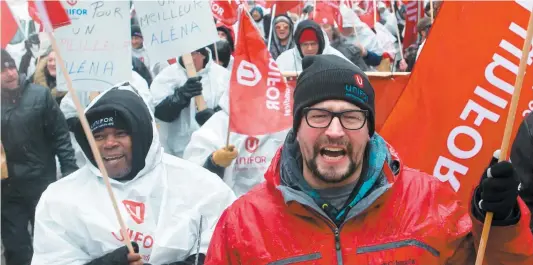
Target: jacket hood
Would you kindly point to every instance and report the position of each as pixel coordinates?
(276, 42)
(127, 102)
(207, 63)
(310, 24)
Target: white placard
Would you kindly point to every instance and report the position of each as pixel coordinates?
(96, 47)
(172, 28)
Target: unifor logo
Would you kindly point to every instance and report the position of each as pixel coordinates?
(72, 2)
(251, 144)
(248, 74)
(358, 80)
(135, 209)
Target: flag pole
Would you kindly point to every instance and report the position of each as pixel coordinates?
(508, 130)
(397, 31)
(431, 10)
(45, 20)
(273, 14)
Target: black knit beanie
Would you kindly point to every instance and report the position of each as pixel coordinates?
(7, 60)
(136, 31)
(327, 77)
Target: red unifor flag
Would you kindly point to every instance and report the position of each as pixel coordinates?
(260, 100)
(50, 14)
(9, 25)
(411, 19)
(225, 11)
(282, 6)
(328, 11)
(449, 120)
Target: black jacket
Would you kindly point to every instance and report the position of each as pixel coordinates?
(34, 131)
(522, 159)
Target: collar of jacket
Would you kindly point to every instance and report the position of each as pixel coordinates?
(378, 179)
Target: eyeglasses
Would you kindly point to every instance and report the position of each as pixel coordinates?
(321, 118)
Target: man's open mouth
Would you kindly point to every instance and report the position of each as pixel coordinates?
(332, 153)
(113, 158)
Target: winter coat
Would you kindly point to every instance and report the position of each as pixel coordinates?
(406, 217)
(176, 135)
(254, 152)
(142, 55)
(34, 131)
(522, 159)
(291, 60)
(168, 206)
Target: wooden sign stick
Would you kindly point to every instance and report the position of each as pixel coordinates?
(191, 72)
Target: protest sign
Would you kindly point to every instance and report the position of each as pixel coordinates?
(172, 28)
(96, 46)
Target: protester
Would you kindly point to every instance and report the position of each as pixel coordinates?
(242, 164)
(350, 51)
(226, 33)
(423, 27)
(137, 46)
(45, 74)
(282, 38)
(171, 202)
(225, 59)
(174, 93)
(310, 40)
(261, 21)
(337, 193)
(522, 159)
(34, 131)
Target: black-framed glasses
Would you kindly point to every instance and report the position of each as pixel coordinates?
(321, 118)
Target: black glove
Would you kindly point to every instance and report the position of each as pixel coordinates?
(204, 115)
(190, 89)
(170, 108)
(119, 256)
(498, 193)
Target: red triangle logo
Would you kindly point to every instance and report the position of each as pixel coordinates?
(136, 210)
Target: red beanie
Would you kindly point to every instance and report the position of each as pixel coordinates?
(308, 35)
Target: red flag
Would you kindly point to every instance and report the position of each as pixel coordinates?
(225, 11)
(260, 100)
(368, 16)
(450, 119)
(282, 6)
(327, 11)
(9, 24)
(411, 19)
(49, 12)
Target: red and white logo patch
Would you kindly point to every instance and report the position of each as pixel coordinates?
(72, 2)
(251, 144)
(135, 209)
(358, 80)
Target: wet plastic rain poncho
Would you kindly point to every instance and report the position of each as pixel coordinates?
(254, 153)
(176, 135)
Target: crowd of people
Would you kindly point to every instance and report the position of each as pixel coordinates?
(328, 190)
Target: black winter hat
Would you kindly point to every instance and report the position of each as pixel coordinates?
(136, 31)
(7, 60)
(327, 77)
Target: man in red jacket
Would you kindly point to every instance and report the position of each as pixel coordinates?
(336, 193)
